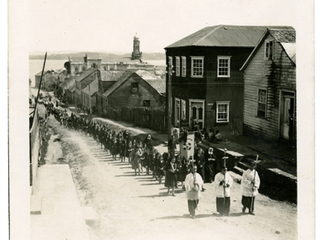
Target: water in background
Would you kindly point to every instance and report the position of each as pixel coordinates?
(35, 66)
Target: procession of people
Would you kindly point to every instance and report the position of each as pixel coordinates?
(202, 167)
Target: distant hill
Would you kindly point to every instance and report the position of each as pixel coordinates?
(106, 57)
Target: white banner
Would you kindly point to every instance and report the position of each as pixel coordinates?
(187, 148)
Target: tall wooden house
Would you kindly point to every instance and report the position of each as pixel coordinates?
(206, 84)
(270, 86)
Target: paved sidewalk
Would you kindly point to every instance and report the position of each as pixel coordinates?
(55, 208)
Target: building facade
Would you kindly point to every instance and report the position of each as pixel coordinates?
(135, 89)
(206, 85)
(270, 86)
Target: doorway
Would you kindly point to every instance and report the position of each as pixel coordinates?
(196, 110)
(288, 115)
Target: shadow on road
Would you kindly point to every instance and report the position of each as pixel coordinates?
(161, 194)
(149, 184)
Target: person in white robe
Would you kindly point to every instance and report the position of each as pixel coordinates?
(250, 184)
(223, 182)
(193, 185)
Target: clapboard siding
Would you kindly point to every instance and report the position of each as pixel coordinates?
(274, 76)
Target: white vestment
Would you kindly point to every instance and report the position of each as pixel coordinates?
(250, 183)
(189, 184)
(221, 190)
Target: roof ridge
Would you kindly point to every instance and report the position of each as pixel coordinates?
(212, 31)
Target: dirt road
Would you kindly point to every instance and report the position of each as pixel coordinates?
(126, 206)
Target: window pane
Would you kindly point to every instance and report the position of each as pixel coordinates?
(223, 67)
(262, 103)
(197, 67)
(222, 114)
(200, 112)
(194, 112)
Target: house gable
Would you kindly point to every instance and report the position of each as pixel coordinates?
(271, 76)
(124, 96)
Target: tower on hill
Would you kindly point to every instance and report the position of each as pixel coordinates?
(136, 54)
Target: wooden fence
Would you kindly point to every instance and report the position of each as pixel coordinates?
(152, 118)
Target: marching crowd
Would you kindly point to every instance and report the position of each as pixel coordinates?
(192, 173)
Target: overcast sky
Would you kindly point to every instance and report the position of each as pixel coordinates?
(110, 25)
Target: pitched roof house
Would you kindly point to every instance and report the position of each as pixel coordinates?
(270, 86)
(206, 85)
(135, 89)
(82, 81)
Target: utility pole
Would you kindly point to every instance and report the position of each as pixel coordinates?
(89, 102)
(169, 100)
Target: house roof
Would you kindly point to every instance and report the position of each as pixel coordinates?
(110, 75)
(158, 84)
(68, 83)
(121, 80)
(290, 49)
(223, 36)
(146, 75)
(85, 74)
(285, 35)
(155, 82)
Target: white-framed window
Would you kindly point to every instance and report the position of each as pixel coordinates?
(269, 49)
(184, 67)
(197, 64)
(223, 66)
(177, 66)
(262, 103)
(222, 111)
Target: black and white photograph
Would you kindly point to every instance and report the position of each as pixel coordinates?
(161, 120)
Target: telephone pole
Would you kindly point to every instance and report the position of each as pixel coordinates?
(169, 100)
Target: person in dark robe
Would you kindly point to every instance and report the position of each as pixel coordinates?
(223, 182)
(171, 176)
(210, 165)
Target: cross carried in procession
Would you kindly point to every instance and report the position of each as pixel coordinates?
(225, 157)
